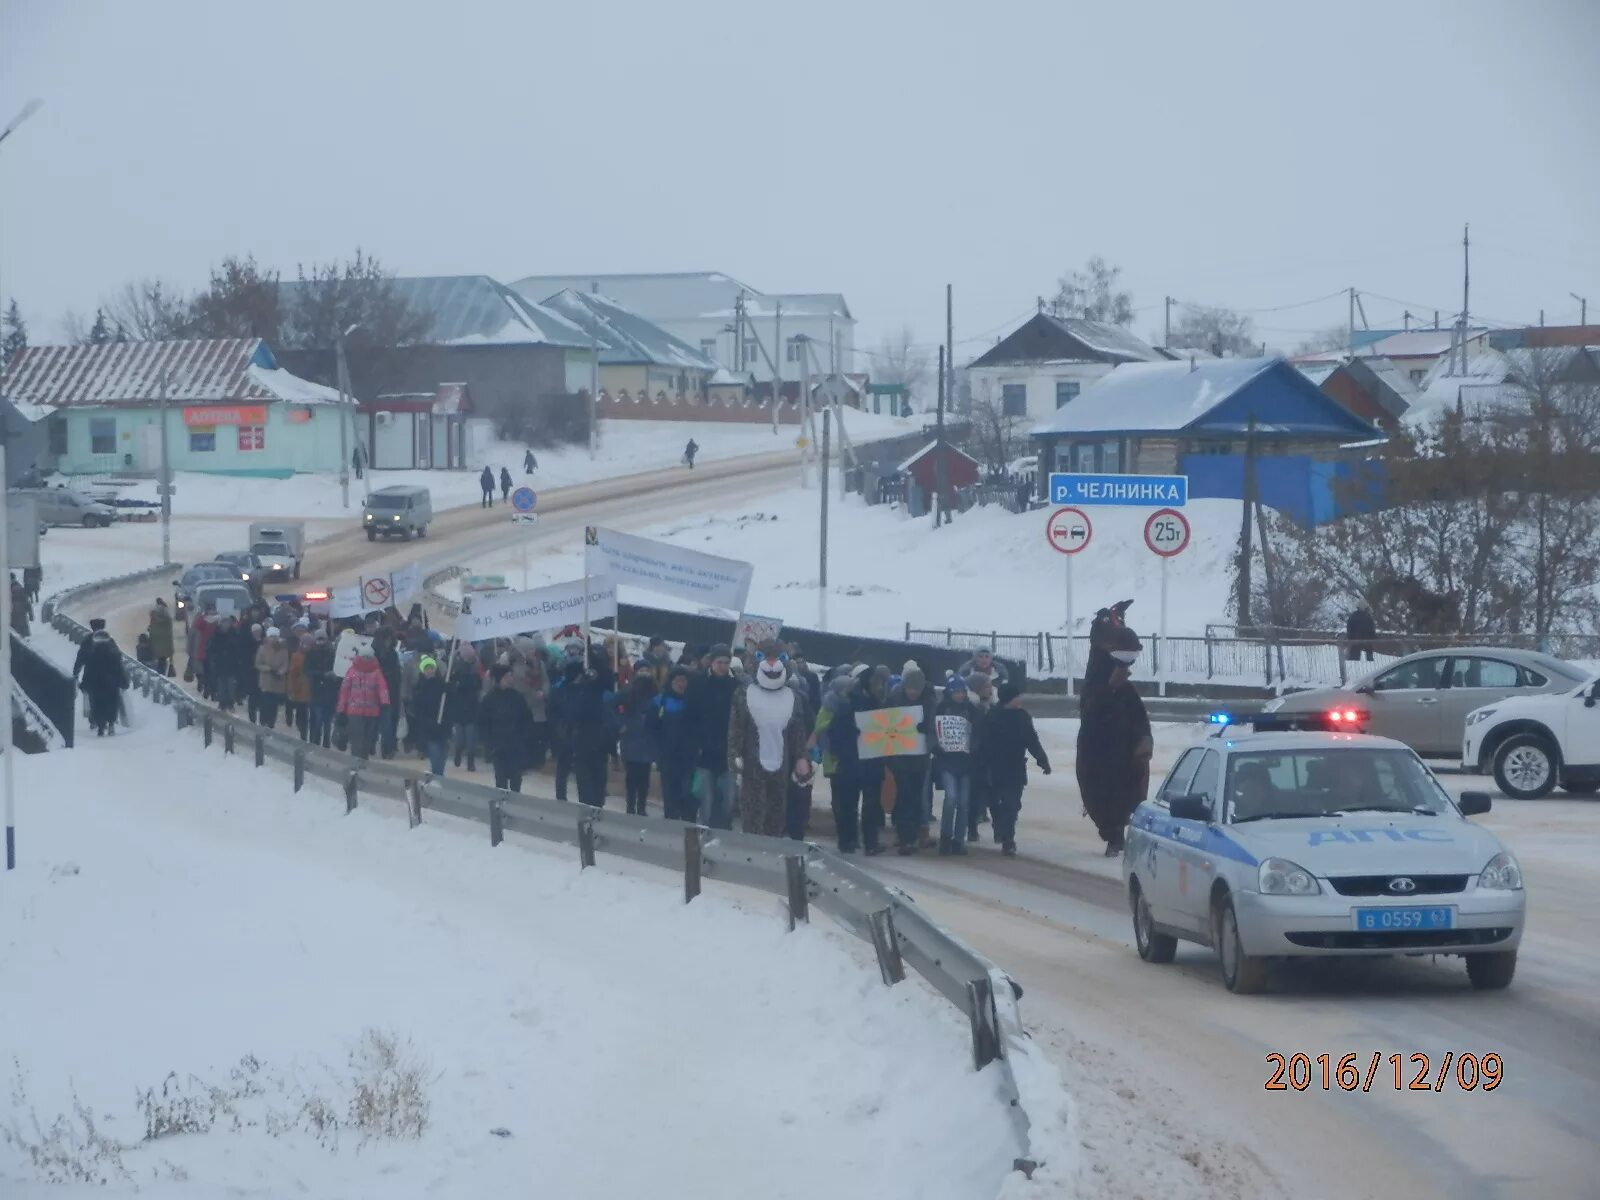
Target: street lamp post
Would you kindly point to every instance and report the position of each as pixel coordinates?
(346, 401)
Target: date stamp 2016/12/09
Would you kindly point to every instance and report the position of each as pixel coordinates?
(1403, 1072)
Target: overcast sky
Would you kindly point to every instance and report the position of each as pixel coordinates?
(1248, 154)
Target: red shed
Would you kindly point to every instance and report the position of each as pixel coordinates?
(960, 470)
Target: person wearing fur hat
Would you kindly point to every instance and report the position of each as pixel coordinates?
(767, 736)
(104, 680)
(913, 786)
(676, 748)
(1114, 744)
(1010, 736)
(710, 710)
(983, 662)
(272, 676)
(425, 720)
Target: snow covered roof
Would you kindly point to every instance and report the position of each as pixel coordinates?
(673, 295)
(1495, 377)
(1046, 338)
(1161, 397)
(626, 336)
(1389, 385)
(726, 378)
(1183, 353)
(949, 449)
(1412, 343)
(473, 310)
(128, 374)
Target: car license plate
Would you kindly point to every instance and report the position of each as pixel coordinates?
(1384, 920)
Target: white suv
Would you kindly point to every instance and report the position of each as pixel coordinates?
(1532, 743)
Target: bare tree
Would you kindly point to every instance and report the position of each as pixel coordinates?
(1335, 337)
(1219, 330)
(996, 437)
(240, 302)
(899, 360)
(334, 296)
(148, 310)
(1092, 294)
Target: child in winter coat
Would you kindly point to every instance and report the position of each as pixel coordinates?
(638, 739)
(954, 740)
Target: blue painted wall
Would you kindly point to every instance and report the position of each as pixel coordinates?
(1310, 492)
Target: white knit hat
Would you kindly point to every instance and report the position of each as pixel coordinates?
(272, 631)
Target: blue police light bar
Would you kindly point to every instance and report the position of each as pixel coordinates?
(1220, 718)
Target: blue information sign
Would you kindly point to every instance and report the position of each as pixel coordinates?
(523, 499)
(1136, 491)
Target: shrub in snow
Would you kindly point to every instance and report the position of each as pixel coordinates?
(388, 1087)
(71, 1149)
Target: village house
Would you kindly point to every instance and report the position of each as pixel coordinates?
(639, 360)
(230, 408)
(1374, 389)
(1048, 361)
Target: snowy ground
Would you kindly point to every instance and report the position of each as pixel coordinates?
(989, 570)
(195, 913)
(626, 447)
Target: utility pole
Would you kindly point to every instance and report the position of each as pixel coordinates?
(1583, 308)
(938, 452)
(594, 392)
(344, 431)
(777, 361)
(1350, 340)
(805, 411)
(738, 333)
(1466, 286)
(1166, 338)
(822, 569)
(164, 488)
(1242, 561)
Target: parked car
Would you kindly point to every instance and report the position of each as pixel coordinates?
(207, 572)
(1531, 743)
(1294, 845)
(249, 564)
(227, 596)
(397, 511)
(1423, 700)
(280, 545)
(62, 506)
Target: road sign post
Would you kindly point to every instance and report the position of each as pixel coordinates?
(1167, 533)
(523, 502)
(1069, 531)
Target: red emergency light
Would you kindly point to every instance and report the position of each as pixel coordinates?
(1346, 717)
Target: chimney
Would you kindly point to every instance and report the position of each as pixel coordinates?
(1191, 364)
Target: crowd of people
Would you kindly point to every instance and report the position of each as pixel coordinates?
(717, 735)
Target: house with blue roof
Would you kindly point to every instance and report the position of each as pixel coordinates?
(1192, 418)
(639, 360)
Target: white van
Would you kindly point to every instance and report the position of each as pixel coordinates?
(397, 511)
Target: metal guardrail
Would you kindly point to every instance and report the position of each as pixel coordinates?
(804, 873)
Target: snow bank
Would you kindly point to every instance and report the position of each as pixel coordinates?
(626, 447)
(176, 911)
(991, 570)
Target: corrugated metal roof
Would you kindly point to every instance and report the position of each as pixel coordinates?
(1166, 397)
(471, 310)
(626, 337)
(222, 371)
(658, 297)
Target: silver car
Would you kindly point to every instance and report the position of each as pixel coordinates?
(1423, 699)
(1294, 845)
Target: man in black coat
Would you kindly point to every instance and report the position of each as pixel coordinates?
(1360, 631)
(486, 485)
(591, 712)
(1009, 737)
(505, 725)
(676, 746)
(1114, 747)
(710, 703)
(104, 680)
(96, 624)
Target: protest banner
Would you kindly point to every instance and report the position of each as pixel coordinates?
(506, 614)
(670, 570)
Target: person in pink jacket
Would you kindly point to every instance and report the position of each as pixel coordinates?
(363, 696)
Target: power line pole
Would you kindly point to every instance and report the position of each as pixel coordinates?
(1242, 562)
(164, 488)
(938, 451)
(1350, 339)
(777, 361)
(344, 430)
(1166, 338)
(1466, 291)
(594, 392)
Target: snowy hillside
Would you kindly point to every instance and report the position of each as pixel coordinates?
(181, 922)
(990, 570)
(626, 447)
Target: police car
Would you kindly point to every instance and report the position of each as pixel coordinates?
(1271, 845)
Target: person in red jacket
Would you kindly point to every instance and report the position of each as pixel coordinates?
(363, 696)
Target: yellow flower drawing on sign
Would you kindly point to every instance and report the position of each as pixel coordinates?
(891, 732)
